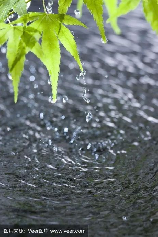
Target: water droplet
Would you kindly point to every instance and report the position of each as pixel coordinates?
(88, 146)
(62, 117)
(49, 6)
(84, 96)
(89, 117)
(49, 142)
(35, 86)
(50, 99)
(32, 69)
(75, 134)
(55, 148)
(66, 130)
(32, 78)
(96, 156)
(102, 41)
(124, 218)
(9, 76)
(81, 76)
(77, 13)
(3, 49)
(41, 115)
(65, 99)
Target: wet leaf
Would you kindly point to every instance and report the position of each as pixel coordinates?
(20, 7)
(67, 39)
(20, 42)
(124, 7)
(63, 6)
(112, 8)
(15, 47)
(50, 40)
(151, 13)
(96, 9)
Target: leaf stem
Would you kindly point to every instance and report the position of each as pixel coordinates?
(10, 13)
(79, 6)
(44, 7)
(28, 1)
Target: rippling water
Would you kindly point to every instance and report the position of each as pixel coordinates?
(91, 158)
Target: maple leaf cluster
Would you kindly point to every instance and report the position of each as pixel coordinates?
(30, 32)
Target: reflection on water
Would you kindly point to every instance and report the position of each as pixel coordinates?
(91, 158)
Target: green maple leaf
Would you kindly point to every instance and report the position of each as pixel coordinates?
(151, 13)
(19, 43)
(5, 7)
(50, 40)
(124, 7)
(20, 7)
(96, 9)
(63, 6)
(15, 47)
(111, 6)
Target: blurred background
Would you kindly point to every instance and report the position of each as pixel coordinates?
(90, 158)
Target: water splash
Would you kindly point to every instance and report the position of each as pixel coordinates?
(75, 133)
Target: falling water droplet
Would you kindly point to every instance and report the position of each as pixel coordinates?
(74, 135)
(35, 86)
(96, 156)
(81, 76)
(65, 99)
(49, 7)
(66, 130)
(77, 13)
(84, 96)
(88, 146)
(41, 115)
(89, 117)
(49, 142)
(55, 148)
(124, 218)
(50, 99)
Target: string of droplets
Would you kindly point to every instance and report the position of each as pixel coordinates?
(49, 6)
(84, 95)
